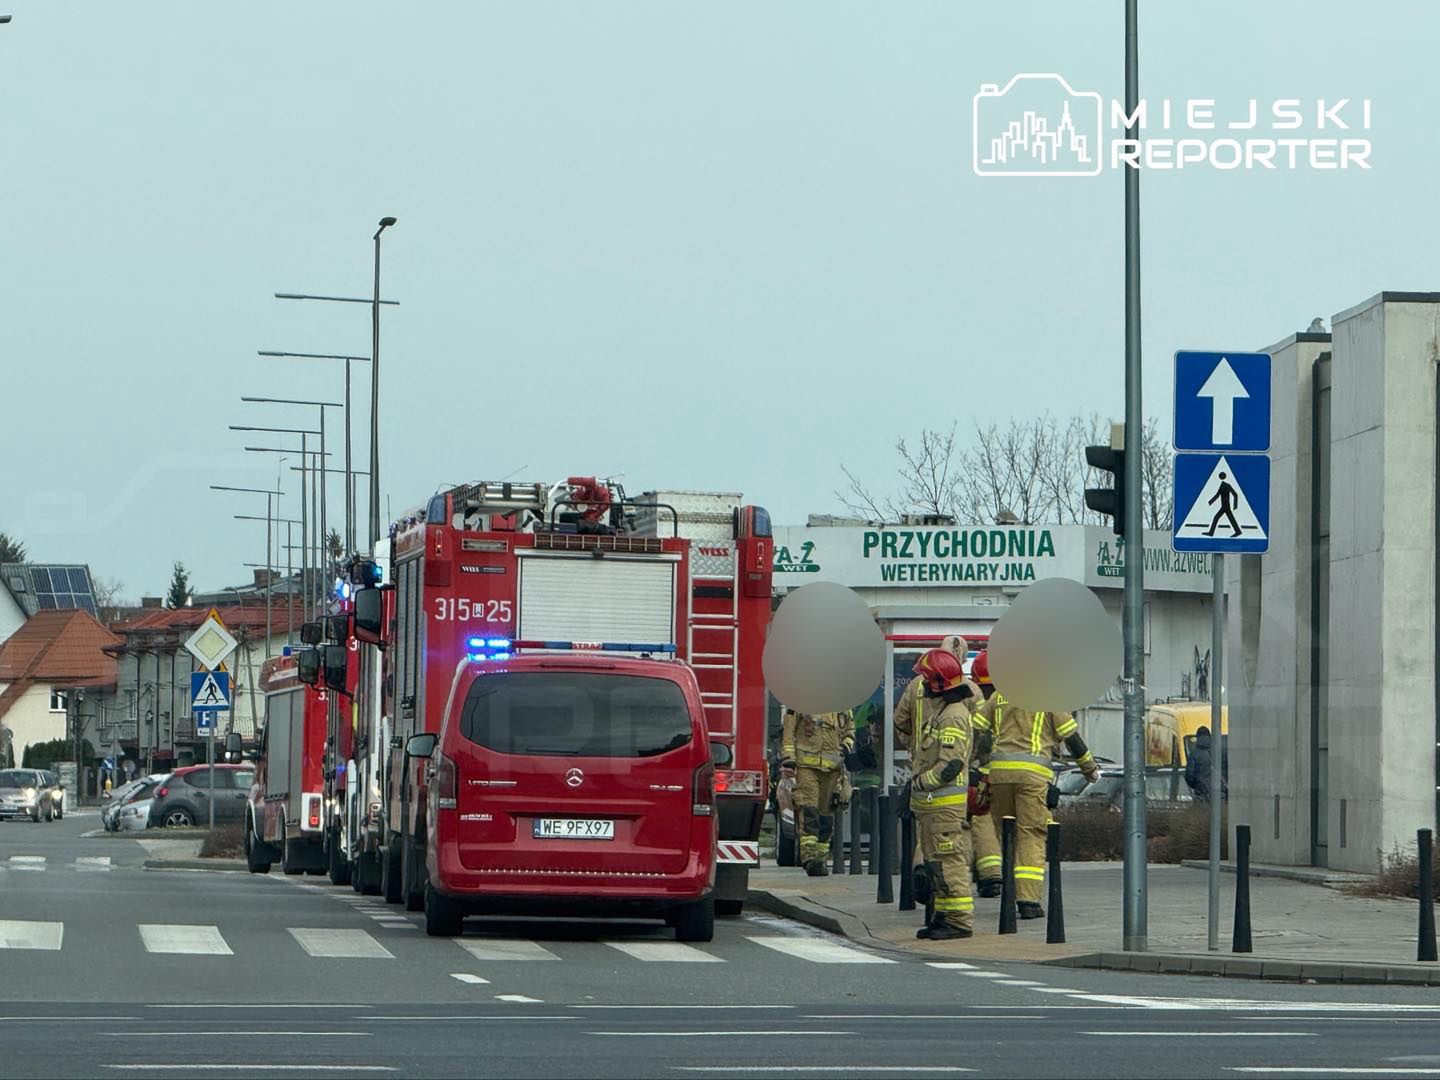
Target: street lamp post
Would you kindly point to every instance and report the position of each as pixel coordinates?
(305, 455)
(304, 434)
(269, 518)
(349, 469)
(385, 223)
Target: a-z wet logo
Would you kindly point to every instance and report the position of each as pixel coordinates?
(787, 563)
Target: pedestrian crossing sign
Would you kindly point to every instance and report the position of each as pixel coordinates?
(1222, 503)
(209, 690)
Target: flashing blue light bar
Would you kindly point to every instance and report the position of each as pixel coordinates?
(598, 646)
(487, 643)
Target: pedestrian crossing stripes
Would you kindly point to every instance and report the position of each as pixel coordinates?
(203, 939)
(38, 863)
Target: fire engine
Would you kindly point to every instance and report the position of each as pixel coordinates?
(574, 561)
(284, 819)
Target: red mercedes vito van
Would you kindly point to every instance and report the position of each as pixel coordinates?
(570, 783)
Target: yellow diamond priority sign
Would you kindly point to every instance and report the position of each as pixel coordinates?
(211, 643)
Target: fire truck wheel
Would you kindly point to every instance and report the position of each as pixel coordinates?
(252, 856)
(367, 873)
(443, 916)
(287, 853)
(390, 879)
(696, 922)
(729, 909)
(413, 873)
(339, 869)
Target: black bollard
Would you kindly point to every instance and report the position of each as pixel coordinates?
(1427, 896)
(873, 798)
(1055, 910)
(837, 840)
(1240, 937)
(855, 867)
(1007, 875)
(880, 851)
(907, 860)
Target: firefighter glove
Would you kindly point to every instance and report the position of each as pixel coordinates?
(951, 770)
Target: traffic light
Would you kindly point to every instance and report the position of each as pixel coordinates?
(1108, 500)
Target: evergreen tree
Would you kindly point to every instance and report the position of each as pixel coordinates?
(179, 594)
(11, 550)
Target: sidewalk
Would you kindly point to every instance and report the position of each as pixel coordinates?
(1299, 930)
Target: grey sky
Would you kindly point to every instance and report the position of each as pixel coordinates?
(713, 246)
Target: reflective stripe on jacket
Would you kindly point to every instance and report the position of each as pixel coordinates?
(942, 737)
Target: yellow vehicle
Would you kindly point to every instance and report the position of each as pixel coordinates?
(1170, 730)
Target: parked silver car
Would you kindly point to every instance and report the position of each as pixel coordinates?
(26, 793)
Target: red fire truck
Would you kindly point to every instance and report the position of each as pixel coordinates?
(574, 561)
(284, 815)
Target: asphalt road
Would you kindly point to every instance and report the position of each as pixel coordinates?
(107, 969)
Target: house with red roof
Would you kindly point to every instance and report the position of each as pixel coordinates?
(47, 666)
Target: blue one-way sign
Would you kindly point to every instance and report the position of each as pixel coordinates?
(1222, 503)
(1222, 401)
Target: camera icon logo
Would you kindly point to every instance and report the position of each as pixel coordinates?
(1038, 125)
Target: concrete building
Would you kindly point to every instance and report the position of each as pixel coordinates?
(1332, 676)
(924, 581)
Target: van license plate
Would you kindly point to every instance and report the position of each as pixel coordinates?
(574, 829)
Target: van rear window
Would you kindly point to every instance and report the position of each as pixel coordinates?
(576, 714)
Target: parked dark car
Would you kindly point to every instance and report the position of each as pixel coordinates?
(184, 798)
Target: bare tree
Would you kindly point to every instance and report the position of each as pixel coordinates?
(1156, 476)
(928, 473)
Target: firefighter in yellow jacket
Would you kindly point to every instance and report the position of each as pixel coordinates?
(816, 748)
(984, 847)
(1020, 747)
(939, 792)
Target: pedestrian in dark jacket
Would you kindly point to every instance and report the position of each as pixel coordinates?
(1200, 767)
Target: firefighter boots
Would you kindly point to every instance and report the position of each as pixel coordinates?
(817, 868)
(1028, 909)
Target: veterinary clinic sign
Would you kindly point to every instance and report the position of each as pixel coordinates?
(974, 556)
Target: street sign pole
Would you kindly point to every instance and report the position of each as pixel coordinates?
(1217, 790)
(1135, 918)
(211, 743)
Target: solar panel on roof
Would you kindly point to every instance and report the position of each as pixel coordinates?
(40, 578)
(79, 582)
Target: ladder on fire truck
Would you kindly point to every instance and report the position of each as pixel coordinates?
(714, 629)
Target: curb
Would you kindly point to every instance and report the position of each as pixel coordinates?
(822, 918)
(223, 866)
(1235, 967)
(1332, 879)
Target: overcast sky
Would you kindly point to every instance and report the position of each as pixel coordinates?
(699, 245)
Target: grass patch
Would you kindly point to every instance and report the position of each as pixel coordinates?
(1097, 834)
(1399, 878)
(223, 842)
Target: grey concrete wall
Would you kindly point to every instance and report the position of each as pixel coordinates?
(1268, 644)
(1407, 573)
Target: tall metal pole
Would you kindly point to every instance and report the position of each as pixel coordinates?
(269, 573)
(304, 535)
(314, 544)
(349, 491)
(1136, 929)
(385, 223)
(1217, 776)
(289, 586)
(324, 484)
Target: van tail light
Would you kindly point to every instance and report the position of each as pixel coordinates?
(702, 791)
(445, 780)
(730, 782)
(312, 812)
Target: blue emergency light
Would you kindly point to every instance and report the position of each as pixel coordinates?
(481, 649)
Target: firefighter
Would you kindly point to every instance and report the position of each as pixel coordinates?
(939, 792)
(814, 749)
(958, 647)
(984, 834)
(1020, 747)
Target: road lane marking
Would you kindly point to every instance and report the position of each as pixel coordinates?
(505, 949)
(1056, 990)
(340, 944)
(193, 940)
(718, 1034)
(664, 951)
(819, 951)
(1206, 1034)
(949, 965)
(1018, 982)
(822, 1068)
(93, 862)
(1321, 1070)
(508, 1018)
(217, 1067)
(721, 1006)
(269, 1032)
(30, 935)
(27, 862)
(985, 974)
(905, 1016)
(229, 1005)
(467, 977)
(519, 999)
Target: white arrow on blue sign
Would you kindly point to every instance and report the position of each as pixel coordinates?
(1222, 401)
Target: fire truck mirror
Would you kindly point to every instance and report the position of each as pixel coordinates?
(337, 627)
(233, 746)
(311, 633)
(369, 615)
(422, 745)
(307, 666)
(337, 659)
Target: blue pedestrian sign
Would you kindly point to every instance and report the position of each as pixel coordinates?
(1222, 503)
(209, 690)
(1222, 401)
